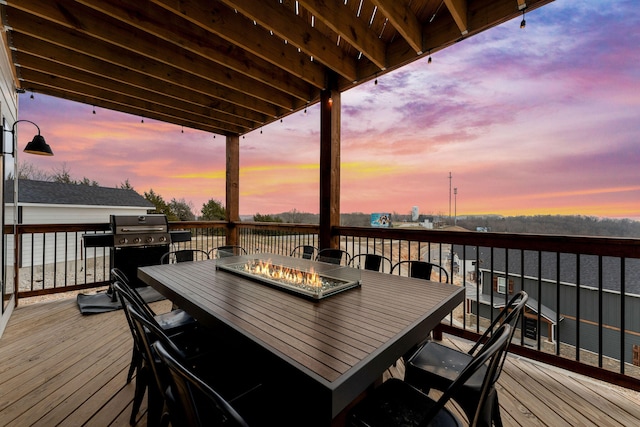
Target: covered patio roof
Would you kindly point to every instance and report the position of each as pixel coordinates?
(228, 66)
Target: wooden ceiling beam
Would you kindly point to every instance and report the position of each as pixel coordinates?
(335, 15)
(92, 23)
(115, 103)
(458, 10)
(283, 23)
(113, 84)
(238, 30)
(80, 42)
(28, 45)
(173, 28)
(404, 21)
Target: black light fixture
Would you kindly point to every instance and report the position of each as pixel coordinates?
(523, 23)
(37, 146)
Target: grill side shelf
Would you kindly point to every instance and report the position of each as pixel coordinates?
(97, 240)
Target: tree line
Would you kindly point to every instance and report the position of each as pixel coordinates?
(175, 210)
(212, 210)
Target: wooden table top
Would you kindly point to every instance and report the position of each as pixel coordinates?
(344, 342)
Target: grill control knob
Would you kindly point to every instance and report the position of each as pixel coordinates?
(149, 239)
(162, 239)
(137, 240)
(123, 241)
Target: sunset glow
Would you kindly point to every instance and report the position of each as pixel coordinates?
(541, 120)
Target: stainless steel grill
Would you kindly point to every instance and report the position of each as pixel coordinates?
(140, 230)
(136, 241)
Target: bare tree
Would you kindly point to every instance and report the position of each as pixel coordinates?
(28, 170)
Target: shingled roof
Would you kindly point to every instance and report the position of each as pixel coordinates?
(56, 193)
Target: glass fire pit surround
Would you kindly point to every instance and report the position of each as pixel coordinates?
(312, 282)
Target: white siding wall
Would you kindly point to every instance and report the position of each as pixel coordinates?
(8, 113)
(40, 248)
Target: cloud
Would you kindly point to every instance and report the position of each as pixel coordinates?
(537, 120)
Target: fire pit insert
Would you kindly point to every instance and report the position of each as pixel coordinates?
(312, 280)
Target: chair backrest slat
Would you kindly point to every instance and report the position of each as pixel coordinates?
(334, 256)
(183, 255)
(421, 269)
(227, 251)
(306, 251)
(372, 262)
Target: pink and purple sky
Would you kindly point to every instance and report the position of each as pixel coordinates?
(540, 120)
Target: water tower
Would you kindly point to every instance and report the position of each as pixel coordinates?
(415, 213)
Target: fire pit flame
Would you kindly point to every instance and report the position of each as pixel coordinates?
(295, 276)
(285, 274)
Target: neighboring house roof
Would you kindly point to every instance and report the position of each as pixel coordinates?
(56, 193)
(589, 267)
(471, 293)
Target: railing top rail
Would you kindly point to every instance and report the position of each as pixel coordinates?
(605, 246)
(309, 228)
(53, 228)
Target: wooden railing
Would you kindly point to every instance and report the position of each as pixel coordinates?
(591, 328)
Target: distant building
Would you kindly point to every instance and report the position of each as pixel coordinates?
(42, 202)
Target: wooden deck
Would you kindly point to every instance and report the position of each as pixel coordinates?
(58, 367)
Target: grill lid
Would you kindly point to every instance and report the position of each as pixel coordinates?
(139, 230)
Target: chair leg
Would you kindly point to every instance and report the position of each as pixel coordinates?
(136, 361)
(142, 379)
(156, 406)
(497, 418)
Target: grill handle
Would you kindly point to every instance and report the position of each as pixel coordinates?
(141, 229)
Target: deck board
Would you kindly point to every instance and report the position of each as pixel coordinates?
(58, 367)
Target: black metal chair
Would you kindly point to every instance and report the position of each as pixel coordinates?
(183, 255)
(152, 378)
(421, 269)
(145, 380)
(437, 366)
(227, 250)
(398, 403)
(171, 321)
(304, 251)
(373, 262)
(190, 400)
(333, 256)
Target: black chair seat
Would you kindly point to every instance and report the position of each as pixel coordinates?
(175, 321)
(438, 366)
(397, 404)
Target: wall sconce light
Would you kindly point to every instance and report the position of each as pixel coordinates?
(37, 146)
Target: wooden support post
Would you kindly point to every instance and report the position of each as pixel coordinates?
(329, 167)
(232, 188)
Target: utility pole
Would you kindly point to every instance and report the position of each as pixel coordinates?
(449, 197)
(455, 206)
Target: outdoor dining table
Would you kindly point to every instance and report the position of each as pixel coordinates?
(334, 347)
